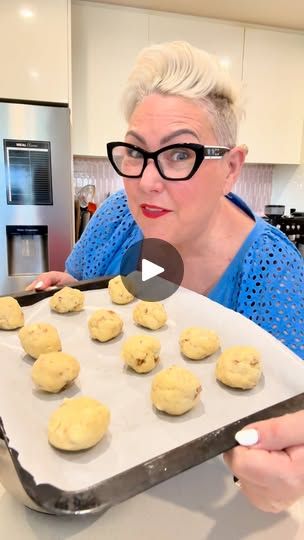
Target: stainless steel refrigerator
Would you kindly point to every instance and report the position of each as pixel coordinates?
(36, 192)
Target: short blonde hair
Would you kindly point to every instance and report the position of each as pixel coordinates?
(177, 68)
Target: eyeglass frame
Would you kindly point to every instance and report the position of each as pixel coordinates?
(201, 152)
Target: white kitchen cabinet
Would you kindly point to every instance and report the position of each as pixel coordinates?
(220, 38)
(105, 43)
(273, 73)
(34, 50)
(106, 40)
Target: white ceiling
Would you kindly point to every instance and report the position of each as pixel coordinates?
(281, 13)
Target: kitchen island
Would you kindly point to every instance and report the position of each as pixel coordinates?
(200, 504)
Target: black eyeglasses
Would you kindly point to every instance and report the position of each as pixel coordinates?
(173, 162)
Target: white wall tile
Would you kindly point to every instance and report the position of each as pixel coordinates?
(288, 186)
(253, 185)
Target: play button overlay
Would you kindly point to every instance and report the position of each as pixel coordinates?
(152, 270)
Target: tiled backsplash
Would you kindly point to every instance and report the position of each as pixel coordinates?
(97, 171)
(254, 184)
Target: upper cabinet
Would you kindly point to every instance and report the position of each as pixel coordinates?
(273, 74)
(105, 42)
(270, 64)
(222, 39)
(34, 50)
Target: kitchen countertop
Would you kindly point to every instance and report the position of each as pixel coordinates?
(202, 504)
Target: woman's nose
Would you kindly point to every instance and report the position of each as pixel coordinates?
(151, 179)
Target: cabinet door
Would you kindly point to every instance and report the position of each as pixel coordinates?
(34, 48)
(274, 88)
(222, 39)
(105, 43)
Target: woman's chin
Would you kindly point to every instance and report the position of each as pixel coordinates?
(160, 235)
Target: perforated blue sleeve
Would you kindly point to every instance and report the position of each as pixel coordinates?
(272, 289)
(106, 238)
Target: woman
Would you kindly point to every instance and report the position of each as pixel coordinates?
(180, 161)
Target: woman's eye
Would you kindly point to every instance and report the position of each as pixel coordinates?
(133, 153)
(180, 155)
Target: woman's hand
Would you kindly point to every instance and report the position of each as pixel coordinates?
(51, 279)
(271, 472)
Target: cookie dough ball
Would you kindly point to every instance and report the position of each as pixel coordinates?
(151, 315)
(141, 353)
(104, 325)
(78, 423)
(39, 338)
(11, 314)
(118, 292)
(239, 367)
(54, 371)
(198, 343)
(175, 390)
(67, 299)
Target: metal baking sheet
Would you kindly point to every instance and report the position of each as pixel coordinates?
(143, 447)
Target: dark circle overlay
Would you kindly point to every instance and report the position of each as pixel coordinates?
(158, 252)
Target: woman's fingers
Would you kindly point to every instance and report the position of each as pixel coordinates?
(258, 467)
(274, 434)
(272, 480)
(40, 283)
(264, 500)
(49, 279)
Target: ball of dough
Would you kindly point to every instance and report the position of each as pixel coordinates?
(239, 367)
(54, 371)
(11, 314)
(197, 343)
(150, 315)
(39, 338)
(67, 299)
(104, 325)
(78, 423)
(175, 390)
(118, 292)
(141, 353)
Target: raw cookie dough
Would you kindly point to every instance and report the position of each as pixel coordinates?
(141, 353)
(175, 390)
(67, 299)
(118, 292)
(54, 371)
(150, 315)
(104, 325)
(78, 423)
(39, 338)
(239, 367)
(11, 314)
(197, 343)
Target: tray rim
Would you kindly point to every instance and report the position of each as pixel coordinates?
(118, 488)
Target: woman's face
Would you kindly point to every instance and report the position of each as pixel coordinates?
(186, 208)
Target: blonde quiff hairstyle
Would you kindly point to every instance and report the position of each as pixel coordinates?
(179, 69)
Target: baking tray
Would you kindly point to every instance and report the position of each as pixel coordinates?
(101, 495)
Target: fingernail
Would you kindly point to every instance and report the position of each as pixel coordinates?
(39, 285)
(247, 437)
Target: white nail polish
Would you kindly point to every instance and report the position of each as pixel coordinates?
(39, 285)
(247, 437)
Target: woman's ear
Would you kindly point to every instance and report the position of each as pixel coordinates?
(234, 163)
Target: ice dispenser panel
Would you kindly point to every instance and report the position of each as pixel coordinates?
(27, 249)
(28, 172)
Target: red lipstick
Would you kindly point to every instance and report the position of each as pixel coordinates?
(152, 211)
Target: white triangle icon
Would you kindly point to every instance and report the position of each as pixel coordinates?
(150, 269)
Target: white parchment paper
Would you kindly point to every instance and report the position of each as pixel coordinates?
(137, 432)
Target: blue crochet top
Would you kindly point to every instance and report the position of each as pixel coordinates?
(264, 281)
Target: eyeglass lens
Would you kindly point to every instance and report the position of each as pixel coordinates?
(174, 163)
